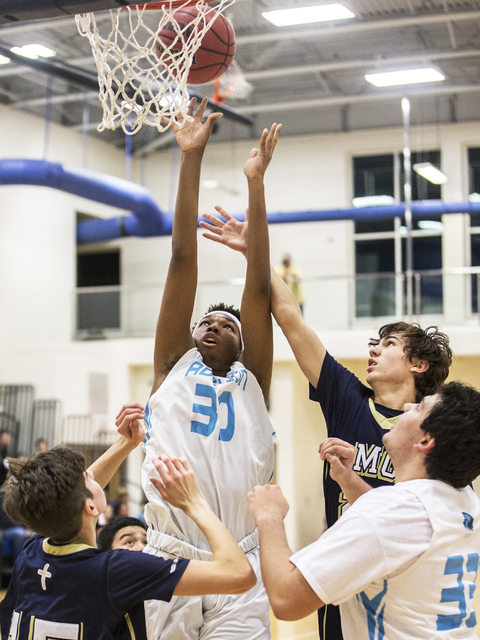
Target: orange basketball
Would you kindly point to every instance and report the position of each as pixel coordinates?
(216, 50)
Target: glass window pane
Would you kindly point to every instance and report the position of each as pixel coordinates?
(422, 189)
(374, 256)
(474, 170)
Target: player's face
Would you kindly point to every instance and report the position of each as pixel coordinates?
(96, 490)
(388, 361)
(407, 432)
(217, 337)
(132, 537)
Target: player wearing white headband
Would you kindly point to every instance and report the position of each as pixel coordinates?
(208, 403)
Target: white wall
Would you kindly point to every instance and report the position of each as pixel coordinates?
(37, 269)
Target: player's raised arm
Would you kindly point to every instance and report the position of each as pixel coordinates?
(131, 434)
(173, 336)
(255, 310)
(308, 349)
(229, 571)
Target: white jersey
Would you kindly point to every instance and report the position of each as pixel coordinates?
(401, 562)
(221, 426)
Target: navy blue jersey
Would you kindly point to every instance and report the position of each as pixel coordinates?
(351, 415)
(71, 592)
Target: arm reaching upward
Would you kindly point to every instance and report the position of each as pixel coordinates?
(173, 337)
(308, 349)
(131, 434)
(230, 571)
(290, 595)
(255, 310)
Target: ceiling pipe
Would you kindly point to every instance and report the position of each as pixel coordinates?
(147, 220)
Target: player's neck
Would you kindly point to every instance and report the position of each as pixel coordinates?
(394, 396)
(87, 534)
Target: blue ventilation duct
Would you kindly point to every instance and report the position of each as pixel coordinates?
(147, 220)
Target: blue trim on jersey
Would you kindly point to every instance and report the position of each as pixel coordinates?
(148, 423)
(375, 614)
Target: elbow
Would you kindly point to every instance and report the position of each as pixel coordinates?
(283, 609)
(247, 579)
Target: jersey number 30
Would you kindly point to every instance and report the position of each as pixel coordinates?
(211, 411)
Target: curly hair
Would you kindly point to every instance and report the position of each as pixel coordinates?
(454, 422)
(47, 493)
(425, 344)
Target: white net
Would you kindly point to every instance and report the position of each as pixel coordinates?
(233, 84)
(137, 84)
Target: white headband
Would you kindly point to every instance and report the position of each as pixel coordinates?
(223, 313)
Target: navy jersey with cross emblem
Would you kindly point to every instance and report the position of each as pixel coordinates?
(71, 592)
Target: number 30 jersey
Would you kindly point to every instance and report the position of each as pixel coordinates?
(221, 426)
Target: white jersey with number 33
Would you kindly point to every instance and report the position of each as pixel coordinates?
(221, 426)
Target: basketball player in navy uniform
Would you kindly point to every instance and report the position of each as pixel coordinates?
(402, 561)
(208, 402)
(63, 587)
(405, 363)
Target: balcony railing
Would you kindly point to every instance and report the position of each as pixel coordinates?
(451, 296)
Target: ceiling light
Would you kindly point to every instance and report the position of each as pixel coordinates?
(4, 60)
(431, 225)
(373, 201)
(307, 15)
(430, 172)
(34, 51)
(411, 76)
(210, 184)
(474, 197)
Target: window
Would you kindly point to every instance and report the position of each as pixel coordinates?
(98, 310)
(380, 245)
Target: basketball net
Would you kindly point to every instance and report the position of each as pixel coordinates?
(231, 84)
(136, 86)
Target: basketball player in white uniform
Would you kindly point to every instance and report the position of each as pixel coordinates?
(208, 402)
(402, 561)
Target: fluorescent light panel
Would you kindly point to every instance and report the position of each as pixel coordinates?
(373, 201)
(411, 76)
(4, 60)
(307, 15)
(430, 172)
(430, 225)
(34, 51)
(474, 197)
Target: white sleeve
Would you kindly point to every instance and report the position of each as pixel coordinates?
(372, 540)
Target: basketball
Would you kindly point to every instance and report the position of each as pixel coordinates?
(216, 50)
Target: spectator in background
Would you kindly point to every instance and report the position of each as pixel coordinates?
(292, 276)
(123, 533)
(41, 445)
(5, 440)
(121, 504)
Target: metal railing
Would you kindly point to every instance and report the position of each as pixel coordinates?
(332, 302)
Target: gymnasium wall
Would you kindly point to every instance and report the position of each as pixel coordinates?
(37, 273)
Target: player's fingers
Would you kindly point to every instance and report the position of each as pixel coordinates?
(158, 486)
(213, 230)
(191, 105)
(223, 212)
(201, 108)
(213, 220)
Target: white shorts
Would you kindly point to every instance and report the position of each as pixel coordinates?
(220, 617)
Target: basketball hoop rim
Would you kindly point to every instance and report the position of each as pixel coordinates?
(158, 6)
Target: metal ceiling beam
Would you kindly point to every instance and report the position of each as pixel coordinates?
(357, 64)
(357, 27)
(299, 105)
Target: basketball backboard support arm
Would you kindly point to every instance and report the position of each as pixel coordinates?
(12, 11)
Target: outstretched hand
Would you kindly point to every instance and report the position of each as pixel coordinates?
(259, 159)
(232, 233)
(129, 422)
(178, 485)
(192, 134)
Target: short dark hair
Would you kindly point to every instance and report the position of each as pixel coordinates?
(221, 306)
(107, 534)
(47, 493)
(454, 422)
(425, 344)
